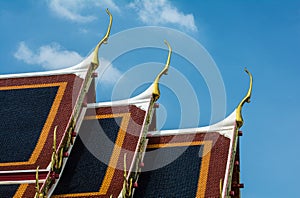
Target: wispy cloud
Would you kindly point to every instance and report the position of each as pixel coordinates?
(73, 9)
(53, 56)
(48, 56)
(108, 74)
(160, 12)
(107, 3)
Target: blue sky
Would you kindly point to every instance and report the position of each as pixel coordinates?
(263, 35)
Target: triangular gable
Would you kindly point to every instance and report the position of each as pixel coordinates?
(41, 112)
(95, 167)
(117, 132)
(31, 108)
(36, 107)
(195, 162)
(186, 162)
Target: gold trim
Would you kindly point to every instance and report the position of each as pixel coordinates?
(239, 117)
(95, 60)
(156, 92)
(47, 126)
(202, 180)
(116, 152)
(21, 190)
(114, 157)
(102, 116)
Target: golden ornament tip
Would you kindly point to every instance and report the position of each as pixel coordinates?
(156, 92)
(95, 60)
(239, 117)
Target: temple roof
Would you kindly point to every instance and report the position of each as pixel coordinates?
(194, 162)
(188, 162)
(95, 166)
(56, 144)
(111, 144)
(38, 110)
(40, 114)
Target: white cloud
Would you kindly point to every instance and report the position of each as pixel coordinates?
(48, 56)
(108, 74)
(69, 9)
(110, 4)
(158, 12)
(73, 9)
(54, 57)
(83, 30)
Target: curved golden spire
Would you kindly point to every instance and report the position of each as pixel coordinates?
(156, 92)
(239, 118)
(95, 60)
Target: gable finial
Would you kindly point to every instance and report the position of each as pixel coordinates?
(95, 60)
(156, 92)
(239, 118)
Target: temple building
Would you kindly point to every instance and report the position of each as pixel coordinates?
(57, 141)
